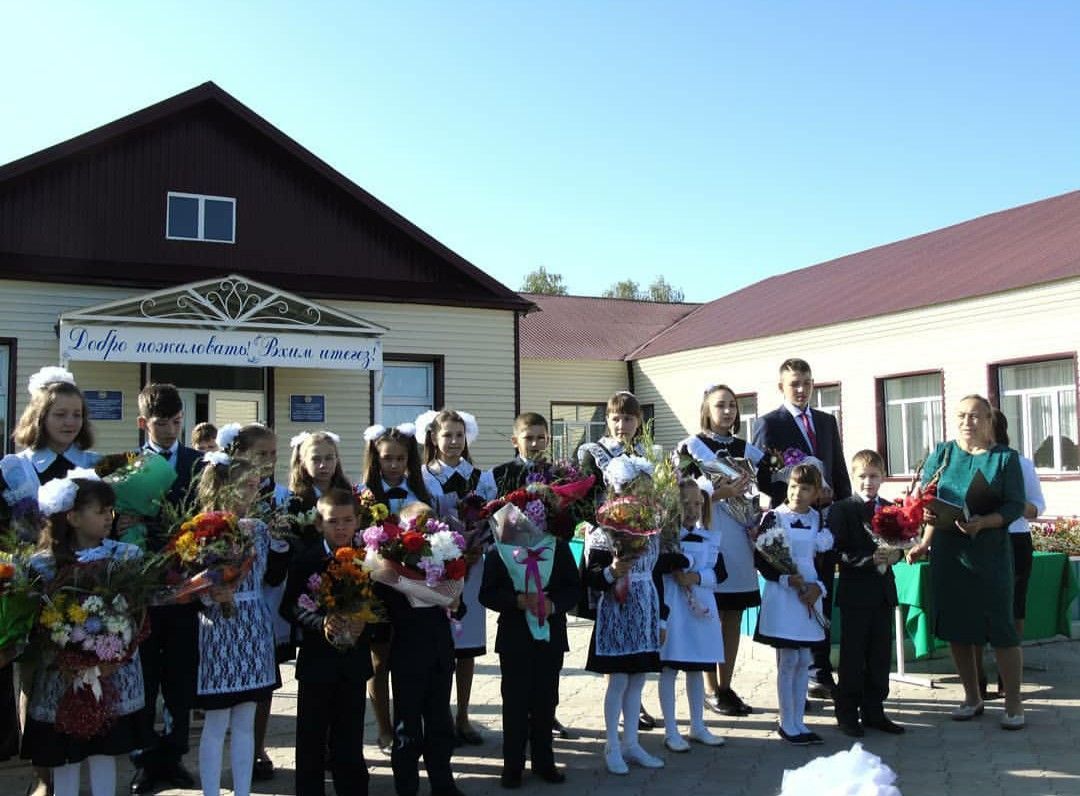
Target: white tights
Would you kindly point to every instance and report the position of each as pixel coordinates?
(792, 679)
(240, 721)
(695, 698)
(623, 696)
(102, 777)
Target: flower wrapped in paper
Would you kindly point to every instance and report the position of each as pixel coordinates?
(783, 462)
(627, 523)
(213, 548)
(140, 482)
(553, 506)
(528, 553)
(772, 544)
(898, 525)
(424, 560)
(20, 593)
(344, 588)
(92, 619)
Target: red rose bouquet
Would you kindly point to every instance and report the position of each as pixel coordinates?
(423, 559)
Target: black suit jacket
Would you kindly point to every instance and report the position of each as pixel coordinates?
(861, 585)
(510, 475)
(497, 593)
(778, 430)
(319, 661)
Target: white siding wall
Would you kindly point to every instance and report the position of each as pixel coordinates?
(961, 339)
(548, 381)
(478, 346)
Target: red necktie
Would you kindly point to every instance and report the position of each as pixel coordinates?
(810, 435)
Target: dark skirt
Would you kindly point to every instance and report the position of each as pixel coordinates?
(232, 699)
(47, 748)
(781, 643)
(972, 581)
(684, 666)
(9, 713)
(380, 632)
(737, 600)
(621, 664)
(469, 652)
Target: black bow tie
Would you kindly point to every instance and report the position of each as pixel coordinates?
(799, 524)
(165, 454)
(456, 484)
(396, 493)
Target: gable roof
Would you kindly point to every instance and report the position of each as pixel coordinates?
(1027, 245)
(588, 327)
(491, 292)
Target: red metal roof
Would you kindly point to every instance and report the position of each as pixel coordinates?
(1027, 245)
(587, 327)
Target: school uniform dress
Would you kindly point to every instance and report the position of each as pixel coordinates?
(739, 590)
(866, 598)
(530, 655)
(236, 654)
(170, 654)
(447, 485)
(332, 693)
(694, 639)
(20, 476)
(783, 620)
(42, 743)
(626, 635)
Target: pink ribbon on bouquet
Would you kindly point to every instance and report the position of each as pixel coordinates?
(532, 559)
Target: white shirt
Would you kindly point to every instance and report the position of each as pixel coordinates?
(1032, 494)
(150, 446)
(797, 413)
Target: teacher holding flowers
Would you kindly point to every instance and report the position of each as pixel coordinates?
(981, 491)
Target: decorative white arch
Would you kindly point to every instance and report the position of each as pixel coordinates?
(230, 321)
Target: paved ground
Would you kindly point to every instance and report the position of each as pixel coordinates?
(936, 756)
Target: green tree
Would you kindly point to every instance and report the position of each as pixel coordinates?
(662, 290)
(659, 290)
(540, 281)
(626, 289)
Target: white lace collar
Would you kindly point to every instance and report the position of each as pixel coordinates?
(43, 458)
(444, 472)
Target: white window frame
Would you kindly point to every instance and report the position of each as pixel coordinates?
(934, 434)
(410, 400)
(202, 215)
(560, 427)
(832, 409)
(746, 420)
(1025, 395)
(6, 356)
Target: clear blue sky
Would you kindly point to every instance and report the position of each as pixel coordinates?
(714, 142)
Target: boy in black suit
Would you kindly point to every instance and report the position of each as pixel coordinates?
(332, 675)
(170, 656)
(866, 597)
(531, 440)
(529, 665)
(796, 425)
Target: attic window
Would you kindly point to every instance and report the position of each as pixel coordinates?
(192, 216)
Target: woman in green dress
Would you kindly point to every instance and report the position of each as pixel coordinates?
(971, 560)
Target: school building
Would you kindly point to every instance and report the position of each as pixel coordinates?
(896, 336)
(194, 242)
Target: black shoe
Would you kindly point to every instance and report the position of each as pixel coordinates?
(563, 732)
(795, 740)
(852, 729)
(510, 778)
(645, 721)
(180, 777)
(820, 690)
(147, 780)
(728, 703)
(884, 724)
(552, 775)
(469, 736)
(813, 738)
(262, 770)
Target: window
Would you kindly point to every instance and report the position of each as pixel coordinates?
(1039, 400)
(914, 423)
(190, 216)
(574, 424)
(408, 391)
(827, 399)
(7, 396)
(747, 415)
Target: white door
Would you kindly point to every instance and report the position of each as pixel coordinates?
(234, 406)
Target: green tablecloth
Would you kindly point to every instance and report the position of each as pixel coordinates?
(1051, 590)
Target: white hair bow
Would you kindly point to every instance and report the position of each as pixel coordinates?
(424, 421)
(214, 458)
(377, 431)
(49, 375)
(704, 484)
(58, 495)
(300, 438)
(227, 434)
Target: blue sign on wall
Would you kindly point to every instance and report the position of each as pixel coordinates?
(307, 408)
(104, 404)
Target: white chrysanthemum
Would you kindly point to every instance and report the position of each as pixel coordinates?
(61, 636)
(93, 605)
(120, 603)
(623, 470)
(443, 547)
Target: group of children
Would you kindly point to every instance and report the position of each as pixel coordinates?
(680, 609)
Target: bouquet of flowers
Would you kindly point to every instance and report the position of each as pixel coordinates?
(344, 588)
(140, 482)
(19, 511)
(371, 511)
(771, 542)
(550, 505)
(627, 523)
(783, 462)
(20, 593)
(213, 548)
(697, 457)
(1062, 535)
(897, 526)
(528, 553)
(92, 620)
(424, 560)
